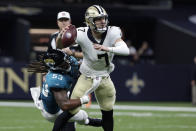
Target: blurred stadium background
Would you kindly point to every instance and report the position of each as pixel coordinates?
(161, 35)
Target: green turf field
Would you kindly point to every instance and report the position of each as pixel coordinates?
(30, 119)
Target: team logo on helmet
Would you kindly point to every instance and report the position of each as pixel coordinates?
(49, 62)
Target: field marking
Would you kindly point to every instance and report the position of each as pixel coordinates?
(162, 127)
(117, 107)
(16, 127)
(149, 108)
(175, 126)
(24, 121)
(17, 104)
(146, 114)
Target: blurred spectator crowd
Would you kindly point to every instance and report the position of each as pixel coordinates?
(133, 2)
(142, 55)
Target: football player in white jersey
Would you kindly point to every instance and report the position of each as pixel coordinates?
(99, 43)
(63, 21)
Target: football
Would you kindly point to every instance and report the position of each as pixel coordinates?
(69, 36)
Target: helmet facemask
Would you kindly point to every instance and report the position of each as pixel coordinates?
(95, 27)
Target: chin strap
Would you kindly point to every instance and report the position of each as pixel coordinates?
(102, 30)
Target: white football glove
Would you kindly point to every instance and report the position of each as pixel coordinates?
(84, 99)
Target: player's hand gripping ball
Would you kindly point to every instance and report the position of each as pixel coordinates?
(69, 36)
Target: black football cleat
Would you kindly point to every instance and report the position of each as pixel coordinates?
(95, 122)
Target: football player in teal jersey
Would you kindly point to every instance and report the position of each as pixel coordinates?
(52, 99)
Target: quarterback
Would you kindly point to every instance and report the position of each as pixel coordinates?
(99, 43)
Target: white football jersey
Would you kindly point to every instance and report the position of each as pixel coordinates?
(97, 63)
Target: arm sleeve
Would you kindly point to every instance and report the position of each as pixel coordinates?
(120, 48)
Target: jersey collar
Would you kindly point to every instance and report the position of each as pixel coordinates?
(90, 36)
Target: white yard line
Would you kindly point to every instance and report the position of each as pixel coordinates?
(150, 108)
(17, 104)
(175, 126)
(161, 127)
(15, 127)
(147, 114)
(117, 107)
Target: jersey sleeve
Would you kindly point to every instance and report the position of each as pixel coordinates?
(80, 30)
(58, 81)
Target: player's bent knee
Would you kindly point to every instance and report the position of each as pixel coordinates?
(50, 117)
(107, 107)
(108, 103)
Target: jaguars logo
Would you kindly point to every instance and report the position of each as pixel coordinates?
(49, 62)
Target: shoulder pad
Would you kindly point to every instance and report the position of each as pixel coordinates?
(115, 32)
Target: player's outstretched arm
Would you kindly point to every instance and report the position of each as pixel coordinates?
(65, 103)
(120, 48)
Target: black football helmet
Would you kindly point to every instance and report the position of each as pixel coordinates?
(56, 60)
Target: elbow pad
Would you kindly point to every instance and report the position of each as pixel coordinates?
(120, 48)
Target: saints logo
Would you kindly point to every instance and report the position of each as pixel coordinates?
(135, 84)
